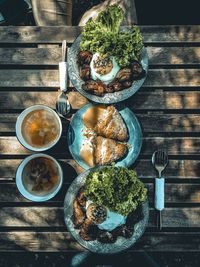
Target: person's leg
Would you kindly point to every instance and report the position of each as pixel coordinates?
(127, 259)
(127, 5)
(52, 12)
(11, 10)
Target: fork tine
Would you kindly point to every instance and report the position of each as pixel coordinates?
(161, 157)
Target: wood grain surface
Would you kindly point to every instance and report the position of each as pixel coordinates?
(167, 107)
(158, 56)
(151, 34)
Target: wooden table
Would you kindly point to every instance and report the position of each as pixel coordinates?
(167, 106)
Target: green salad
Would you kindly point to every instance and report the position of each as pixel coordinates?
(103, 35)
(117, 188)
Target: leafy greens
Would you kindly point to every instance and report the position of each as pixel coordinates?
(103, 35)
(117, 188)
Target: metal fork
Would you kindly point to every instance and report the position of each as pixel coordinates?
(62, 104)
(159, 161)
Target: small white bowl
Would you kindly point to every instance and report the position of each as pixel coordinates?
(23, 189)
(20, 120)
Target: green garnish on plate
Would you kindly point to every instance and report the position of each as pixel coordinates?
(117, 188)
(103, 36)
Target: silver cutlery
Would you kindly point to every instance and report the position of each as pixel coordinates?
(62, 104)
(159, 161)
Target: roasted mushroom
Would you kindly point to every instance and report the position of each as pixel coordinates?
(124, 75)
(106, 237)
(95, 87)
(88, 231)
(123, 230)
(126, 84)
(81, 198)
(137, 71)
(40, 175)
(96, 213)
(78, 214)
(84, 57)
(135, 216)
(84, 72)
(114, 86)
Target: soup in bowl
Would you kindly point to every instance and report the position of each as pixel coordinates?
(38, 128)
(39, 177)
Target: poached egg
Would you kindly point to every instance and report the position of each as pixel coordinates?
(104, 69)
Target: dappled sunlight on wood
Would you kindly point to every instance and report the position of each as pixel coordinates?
(31, 216)
(182, 100)
(167, 107)
(32, 241)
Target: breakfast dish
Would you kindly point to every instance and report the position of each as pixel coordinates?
(106, 128)
(107, 150)
(107, 64)
(100, 135)
(102, 151)
(114, 213)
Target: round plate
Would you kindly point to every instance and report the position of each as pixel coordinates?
(75, 136)
(108, 98)
(96, 246)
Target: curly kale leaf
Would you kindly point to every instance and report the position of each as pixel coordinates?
(103, 36)
(117, 188)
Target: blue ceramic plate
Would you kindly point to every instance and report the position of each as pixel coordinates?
(108, 98)
(75, 136)
(95, 246)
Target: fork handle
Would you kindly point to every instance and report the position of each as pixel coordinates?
(159, 220)
(159, 193)
(63, 76)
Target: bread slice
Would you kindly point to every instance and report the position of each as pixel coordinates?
(107, 150)
(106, 121)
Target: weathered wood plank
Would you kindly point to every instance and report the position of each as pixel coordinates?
(53, 217)
(22, 100)
(8, 168)
(174, 193)
(151, 34)
(173, 55)
(151, 123)
(175, 169)
(150, 100)
(62, 241)
(30, 56)
(49, 78)
(175, 146)
(51, 56)
(42, 34)
(37, 242)
(182, 169)
(169, 123)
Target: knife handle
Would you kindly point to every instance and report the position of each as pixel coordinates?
(159, 193)
(63, 76)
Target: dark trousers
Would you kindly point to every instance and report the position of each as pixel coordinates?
(126, 259)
